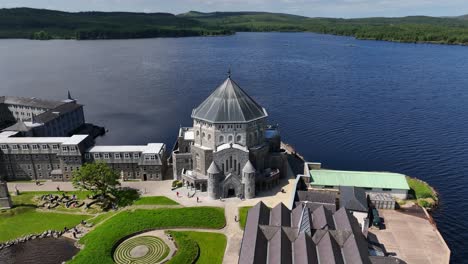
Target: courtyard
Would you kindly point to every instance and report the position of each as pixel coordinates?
(410, 236)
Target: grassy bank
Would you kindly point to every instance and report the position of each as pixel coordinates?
(422, 192)
(155, 200)
(100, 242)
(243, 215)
(208, 247)
(21, 221)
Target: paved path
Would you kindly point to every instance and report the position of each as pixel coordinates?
(232, 229)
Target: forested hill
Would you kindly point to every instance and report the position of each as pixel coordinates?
(47, 24)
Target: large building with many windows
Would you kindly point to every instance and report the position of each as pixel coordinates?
(230, 150)
(40, 118)
(55, 158)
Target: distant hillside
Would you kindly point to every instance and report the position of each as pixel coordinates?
(47, 24)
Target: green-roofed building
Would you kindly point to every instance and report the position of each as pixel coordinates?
(373, 182)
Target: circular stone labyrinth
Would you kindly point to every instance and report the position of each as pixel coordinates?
(141, 250)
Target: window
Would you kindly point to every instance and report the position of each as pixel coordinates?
(14, 146)
(29, 167)
(55, 146)
(38, 166)
(209, 136)
(35, 146)
(106, 155)
(221, 139)
(45, 146)
(387, 190)
(64, 149)
(48, 166)
(24, 147)
(136, 155)
(4, 147)
(127, 156)
(117, 155)
(96, 155)
(203, 135)
(198, 133)
(72, 148)
(230, 138)
(368, 189)
(87, 156)
(65, 168)
(238, 138)
(328, 187)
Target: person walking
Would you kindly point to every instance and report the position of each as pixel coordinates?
(177, 193)
(198, 199)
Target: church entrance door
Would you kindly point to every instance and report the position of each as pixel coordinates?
(231, 192)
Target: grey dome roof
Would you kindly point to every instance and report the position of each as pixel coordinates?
(249, 168)
(213, 169)
(229, 104)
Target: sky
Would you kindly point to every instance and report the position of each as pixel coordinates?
(310, 8)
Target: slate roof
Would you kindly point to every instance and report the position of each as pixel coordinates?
(31, 102)
(279, 235)
(56, 112)
(229, 104)
(353, 198)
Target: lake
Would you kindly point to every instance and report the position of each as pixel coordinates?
(350, 104)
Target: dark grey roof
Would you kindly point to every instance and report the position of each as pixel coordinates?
(51, 114)
(312, 206)
(317, 196)
(353, 198)
(229, 104)
(280, 216)
(31, 102)
(269, 239)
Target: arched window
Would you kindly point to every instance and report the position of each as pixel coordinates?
(230, 138)
(209, 136)
(221, 139)
(198, 133)
(238, 138)
(203, 135)
(197, 161)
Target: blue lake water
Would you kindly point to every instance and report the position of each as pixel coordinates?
(350, 104)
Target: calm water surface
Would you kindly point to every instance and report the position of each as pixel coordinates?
(39, 251)
(350, 104)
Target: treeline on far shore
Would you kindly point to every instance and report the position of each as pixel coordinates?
(48, 24)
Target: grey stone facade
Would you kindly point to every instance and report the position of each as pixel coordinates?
(230, 150)
(55, 158)
(5, 199)
(40, 118)
(133, 162)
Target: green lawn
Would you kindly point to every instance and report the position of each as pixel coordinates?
(188, 249)
(155, 200)
(101, 217)
(212, 246)
(243, 215)
(100, 242)
(421, 189)
(22, 221)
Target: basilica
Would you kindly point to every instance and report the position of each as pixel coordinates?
(230, 151)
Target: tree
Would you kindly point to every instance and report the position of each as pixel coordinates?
(96, 177)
